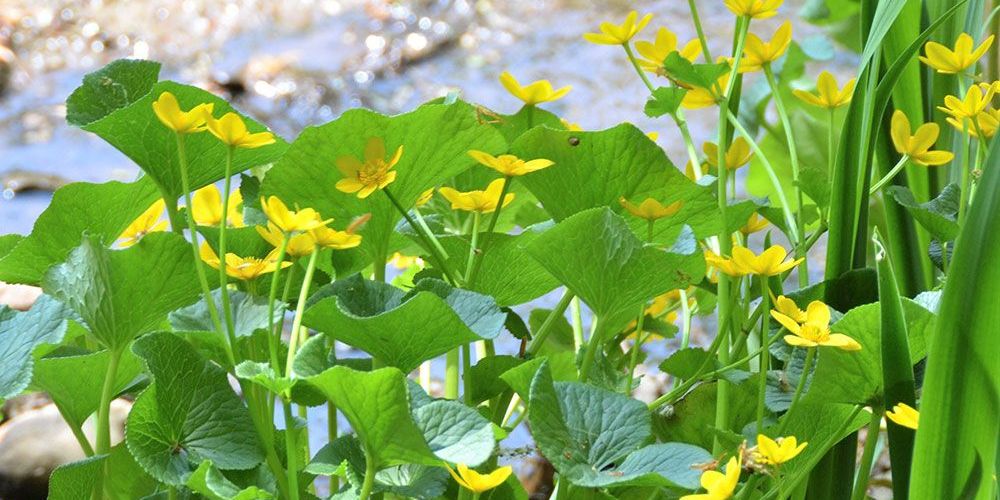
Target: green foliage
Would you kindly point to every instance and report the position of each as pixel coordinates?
(20, 334)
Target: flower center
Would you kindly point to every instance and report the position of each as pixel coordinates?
(814, 333)
(373, 172)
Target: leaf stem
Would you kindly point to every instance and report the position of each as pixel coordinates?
(596, 339)
(466, 366)
(291, 450)
(370, 470)
(451, 361)
(867, 456)
(471, 261)
(543, 331)
(889, 176)
(103, 441)
(765, 353)
(427, 238)
(223, 276)
(701, 32)
(470, 276)
(300, 307)
(635, 64)
(274, 338)
(806, 369)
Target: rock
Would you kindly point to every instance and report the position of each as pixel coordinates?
(20, 297)
(33, 443)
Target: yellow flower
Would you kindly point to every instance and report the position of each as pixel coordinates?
(573, 127)
(207, 207)
(477, 201)
(299, 245)
(653, 136)
(827, 94)
(988, 121)
(653, 54)
(168, 110)
(719, 486)
(651, 209)
(148, 222)
(288, 220)
(777, 452)
(724, 265)
(533, 93)
(905, 415)
(770, 262)
(918, 145)
(479, 483)
(364, 178)
(243, 268)
(754, 223)
(424, 198)
(815, 330)
(400, 261)
(759, 53)
(231, 130)
(618, 34)
(949, 61)
(757, 9)
(700, 97)
(510, 165)
(737, 155)
(788, 307)
(976, 100)
(328, 237)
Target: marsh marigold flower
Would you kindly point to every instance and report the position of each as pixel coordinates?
(232, 131)
(651, 209)
(652, 54)
(148, 222)
(287, 220)
(719, 486)
(328, 237)
(770, 262)
(533, 93)
(400, 261)
(777, 452)
(788, 307)
(701, 97)
(738, 154)
(168, 110)
(374, 173)
(986, 122)
(815, 330)
(243, 268)
(479, 483)
(905, 415)
(756, 9)
(207, 207)
(758, 53)
(510, 165)
(754, 223)
(949, 61)
(918, 145)
(424, 198)
(477, 201)
(827, 95)
(618, 34)
(299, 245)
(975, 102)
(724, 265)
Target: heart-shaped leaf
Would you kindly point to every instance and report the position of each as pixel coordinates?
(21, 333)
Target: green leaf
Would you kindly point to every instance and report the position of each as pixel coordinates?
(76, 480)
(188, 415)
(664, 101)
(263, 375)
(505, 272)
(110, 88)
(121, 294)
(398, 329)
(937, 216)
(339, 457)
(692, 419)
(600, 260)
(662, 464)
(249, 313)
(102, 211)
(817, 423)
(856, 376)
(21, 333)
(436, 139)
(454, 432)
(207, 481)
(344, 458)
(485, 377)
(73, 480)
(561, 365)
(698, 75)
(686, 363)
(526, 118)
(74, 382)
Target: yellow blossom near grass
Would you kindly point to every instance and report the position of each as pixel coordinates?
(738, 154)
(533, 93)
(918, 145)
(754, 223)
(700, 97)
(400, 261)
(986, 122)
(300, 244)
(951, 61)
(242, 268)
(759, 53)
(756, 9)
(232, 131)
(618, 34)
(788, 307)
(827, 95)
(147, 222)
(424, 198)
(169, 112)
(724, 265)
(510, 165)
(290, 221)
(207, 207)
(776, 452)
(651, 209)
(484, 201)
(652, 54)
(479, 483)
(815, 330)
(719, 486)
(573, 127)
(905, 415)
(374, 173)
(770, 262)
(327, 237)
(976, 99)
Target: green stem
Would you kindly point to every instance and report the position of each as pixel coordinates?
(466, 366)
(692, 151)
(830, 141)
(806, 368)
(77, 431)
(223, 276)
(471, 261)
(299, 310)
(593, 345)
(635, 64)
(419, 217)
(291, 451)
(793, 156)
(370, 471)
(889, 176)
(577, 313)
(636, 348)
(451, 361)
(470, 277)
(199, 265)
(273, 339)
(426, 237)
(765, 353)
(103, 444)
(867, 456)
(543, 331)
(701, 32)
(966, 177)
